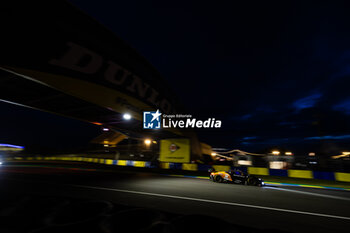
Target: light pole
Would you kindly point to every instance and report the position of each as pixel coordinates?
(276, 152)
(126, 116)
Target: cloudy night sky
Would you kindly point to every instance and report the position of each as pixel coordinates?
(276, 73)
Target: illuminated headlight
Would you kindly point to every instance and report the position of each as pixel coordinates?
(262, 183)
(0, 162)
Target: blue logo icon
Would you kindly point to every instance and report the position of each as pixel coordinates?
(151, 120)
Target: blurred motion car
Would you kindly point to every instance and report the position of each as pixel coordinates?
(235, 176)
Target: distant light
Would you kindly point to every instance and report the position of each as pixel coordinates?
(313, 162)
(277, 164)
(213, 154)
(127, 116)
(245, 162)
(346, 153)
(105, 129)
(288, 153)
(147, 142)
(12, 146)
(96, 123)
(312, 154)
(141, 155)
(154, 142)
(0, 163)
(276, 152)
(105, 145)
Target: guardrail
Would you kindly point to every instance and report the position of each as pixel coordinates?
(306, 174)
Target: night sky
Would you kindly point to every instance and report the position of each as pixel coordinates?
(276, 73)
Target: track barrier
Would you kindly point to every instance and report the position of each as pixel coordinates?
(306, 174)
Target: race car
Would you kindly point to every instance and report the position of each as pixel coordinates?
(235, 176)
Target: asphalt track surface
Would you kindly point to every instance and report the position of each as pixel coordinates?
(291, 209)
